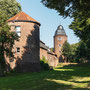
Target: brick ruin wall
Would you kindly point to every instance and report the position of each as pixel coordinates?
(51, 58)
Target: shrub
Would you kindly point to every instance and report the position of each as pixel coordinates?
(44, 64)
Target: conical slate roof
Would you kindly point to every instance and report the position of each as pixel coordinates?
(60, 31)
(21, 16)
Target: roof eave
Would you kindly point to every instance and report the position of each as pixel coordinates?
(24, 21)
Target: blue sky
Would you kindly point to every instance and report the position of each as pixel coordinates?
(49, 20)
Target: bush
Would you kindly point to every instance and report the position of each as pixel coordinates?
(44, 64)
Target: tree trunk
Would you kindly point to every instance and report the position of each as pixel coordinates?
(2, 61)
(67, 59)
(1, 71)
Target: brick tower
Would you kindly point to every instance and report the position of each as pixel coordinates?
(26, 49)
(59, 38)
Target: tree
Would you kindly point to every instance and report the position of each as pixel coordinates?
(66, 50)
(7, 39)
(73, 52)
(81, 52)
(8, 8)
(81, 28)
(68, 7)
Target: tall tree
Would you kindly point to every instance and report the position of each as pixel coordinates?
(73, 52)
(81, 27)
(8, 8)
(7, 39)
(66, 50)
(81, 52)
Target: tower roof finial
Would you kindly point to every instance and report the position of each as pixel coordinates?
(60, 30)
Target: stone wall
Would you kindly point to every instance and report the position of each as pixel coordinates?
(43, 53)
(50, 57)
(52, 60)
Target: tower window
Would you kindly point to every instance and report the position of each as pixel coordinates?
(59, 32)
(59, 38)
(60, 45)
(18, 50)
(18, 30)
(60, 51)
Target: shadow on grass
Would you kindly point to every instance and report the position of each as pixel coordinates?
(58, 79)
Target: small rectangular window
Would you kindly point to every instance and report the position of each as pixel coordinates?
(18, 30)
(18, 50)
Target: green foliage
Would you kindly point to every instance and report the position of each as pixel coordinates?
(81, 52)
(81, 28)
(73, 52)
(68, 7)
(52, 49)
(7, 39)
(66, 50)
(76, 52)
(44, 64)
(8, 8)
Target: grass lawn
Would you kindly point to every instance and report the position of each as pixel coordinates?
(70, 77)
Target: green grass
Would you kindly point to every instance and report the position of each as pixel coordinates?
(71, 77)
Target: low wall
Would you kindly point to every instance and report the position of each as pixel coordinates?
(52, 60)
